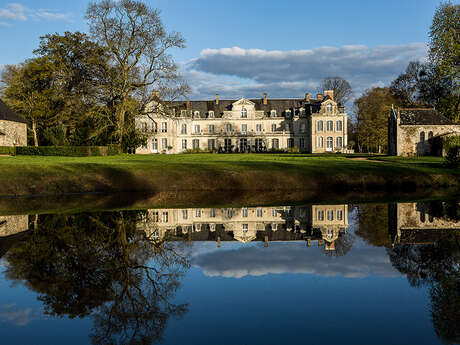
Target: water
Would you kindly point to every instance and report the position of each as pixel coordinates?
(304, 274)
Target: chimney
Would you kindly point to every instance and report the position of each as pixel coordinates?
(319, 97)
(265, 98)
(329, 93)
(307, 97)
(217, 98)
(187, 104)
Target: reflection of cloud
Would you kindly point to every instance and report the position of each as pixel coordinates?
(19, 317)
(237, 72)
(294, 258)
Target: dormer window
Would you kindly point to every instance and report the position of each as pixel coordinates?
(301, 112)
(273, 113)
(244, 112)
(288, 113)
(329, 108)
(211, 114)
(183, 113)
(196, 114)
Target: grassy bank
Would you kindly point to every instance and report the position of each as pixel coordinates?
(289, 173)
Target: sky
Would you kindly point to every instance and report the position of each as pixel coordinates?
(245, 48)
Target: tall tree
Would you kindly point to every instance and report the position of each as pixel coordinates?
(445, 40)
(138, 45)
(342, 88)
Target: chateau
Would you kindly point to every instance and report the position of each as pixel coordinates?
(13, 128)
(246, 125)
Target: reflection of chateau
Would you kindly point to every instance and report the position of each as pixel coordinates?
(10, 228)
(419, 223)
(321, 223)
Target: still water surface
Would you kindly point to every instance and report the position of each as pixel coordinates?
(311, 274)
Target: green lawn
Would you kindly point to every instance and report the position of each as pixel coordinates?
(202, 171)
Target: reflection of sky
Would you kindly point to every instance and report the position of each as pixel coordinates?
(255, 260)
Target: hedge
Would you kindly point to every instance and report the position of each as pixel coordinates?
(69, 151)
(450, 141)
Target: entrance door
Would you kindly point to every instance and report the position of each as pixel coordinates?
(155, 145)
(243, 144)
(329, 144)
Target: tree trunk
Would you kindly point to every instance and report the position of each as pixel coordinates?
(121, 120)
(34, 131)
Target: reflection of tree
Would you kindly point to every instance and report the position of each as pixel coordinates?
(437, 266)
(373, 224)
(100, 264)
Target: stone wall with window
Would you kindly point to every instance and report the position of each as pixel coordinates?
(13, 133)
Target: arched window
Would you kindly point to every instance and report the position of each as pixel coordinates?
(211, 114)
(273, 113)
(320, 142)
(288, 113)
(329, 143)
(197, 114)
(338, 143)
(244, 112)
(319, 126)
(422, 137)
(422, 216)
(183, 129)
(329, 108)
(430, 135)
(330, 126)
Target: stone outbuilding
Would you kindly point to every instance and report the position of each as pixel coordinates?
(13, 128)
(418, 131)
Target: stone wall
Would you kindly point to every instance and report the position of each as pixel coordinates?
(13, 133)
(10, 225)
(409, 138)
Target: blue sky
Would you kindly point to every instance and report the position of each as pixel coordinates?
(244, 48)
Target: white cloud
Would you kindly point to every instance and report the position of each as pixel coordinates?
(16, 11)
(294, 258)
(18, 317)
(250, 72)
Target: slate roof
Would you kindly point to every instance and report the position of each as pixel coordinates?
(8, 115)
(423, 117)
(280, 105)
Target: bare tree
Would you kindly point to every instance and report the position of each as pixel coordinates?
(341, 87)
(133, 34)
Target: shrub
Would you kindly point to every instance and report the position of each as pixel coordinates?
(7, 150)
(453, 157)
(69, 151)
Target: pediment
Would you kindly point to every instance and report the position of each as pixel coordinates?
(243, 101)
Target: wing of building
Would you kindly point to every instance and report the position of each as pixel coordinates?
(242, 125)
(418, 131)
(13, 128)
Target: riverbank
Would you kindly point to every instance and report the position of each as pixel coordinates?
(281, 173)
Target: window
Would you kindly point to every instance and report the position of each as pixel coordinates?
(329, 108)
(302, 112)
(244, 212)
(211, 114)
(212, 227)
(183, 113)
(244, 129)
(290, 143)
(243, 144)
(259, 212)
(164, 144)
(430, 135)
(320, 215)
(155, 144)
(196, 143)
(422, 216)
(339, 214)
(196, 114)
(258, 144)
(274, 212)
(228, 145)
(286, 127)
(184, 144)
(229, 213)
(329, 143)
(302, 143)
(198, 213)
(244, 112)
(184, 214)
(164, 127)
(275, 144)
(211, 129)
(245, 227)
(330, 215)
(422, 137)
(303, 127)
(197, 227)
(273, 127)
(144, 126)
(164, 217)
(273, 113)
(212, 213)
(196, 129)
(338, 125)
(330, 233)
(330, 126)
(229, 128)
(274, 226)
(183, 129)
(259, 128)
(338, 142)
(211, 144)
(319, 126)
(288, 114)
(155, 216)
(154, 127)
(320, 142)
